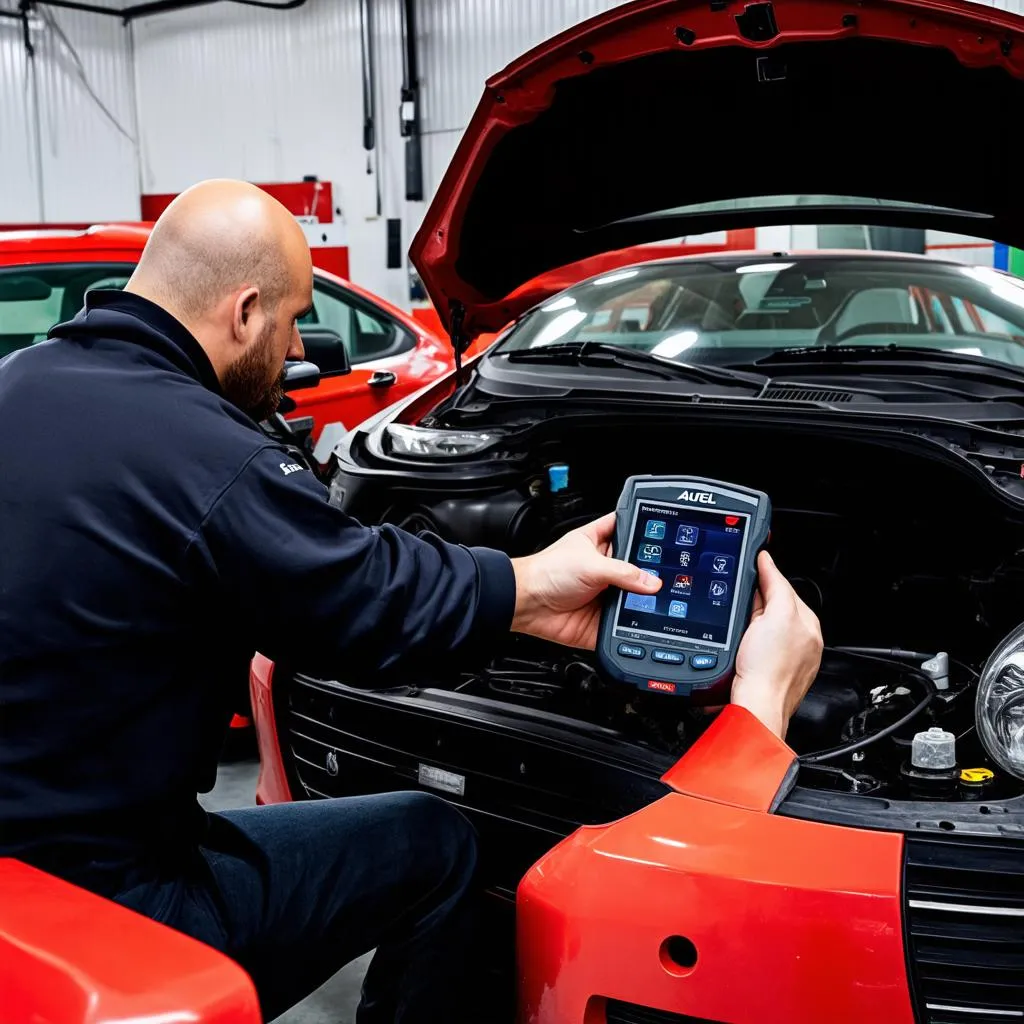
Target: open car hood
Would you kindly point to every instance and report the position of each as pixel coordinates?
(587, 142)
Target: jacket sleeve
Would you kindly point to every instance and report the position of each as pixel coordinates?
(316, 589)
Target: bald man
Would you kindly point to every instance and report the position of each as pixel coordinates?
(154, 538)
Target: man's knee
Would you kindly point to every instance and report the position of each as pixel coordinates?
(442, 835)
(432, 816)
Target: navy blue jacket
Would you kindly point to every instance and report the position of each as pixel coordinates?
(152, 539)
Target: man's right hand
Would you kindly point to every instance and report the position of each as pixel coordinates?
(780, 652)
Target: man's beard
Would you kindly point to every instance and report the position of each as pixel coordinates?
(245, 380)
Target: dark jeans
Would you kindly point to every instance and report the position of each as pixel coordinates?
(293, 892)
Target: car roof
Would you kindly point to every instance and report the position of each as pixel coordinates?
(85, 242)
(123, 242)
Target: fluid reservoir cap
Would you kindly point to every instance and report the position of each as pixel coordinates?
(934, 749)
(558, 477)
(977, 776)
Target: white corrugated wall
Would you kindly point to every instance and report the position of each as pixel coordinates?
(231, 90)
(67, 118)
(1016, 6)
(271, 96)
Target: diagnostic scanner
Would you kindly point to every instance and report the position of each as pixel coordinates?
(701, 538)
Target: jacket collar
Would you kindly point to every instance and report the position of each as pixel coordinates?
(112, 313)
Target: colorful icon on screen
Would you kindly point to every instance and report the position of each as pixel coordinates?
(718, 590)
(722, 564)
(684, 559)
(686, 536)
(653, 572)
(641, 602)
(683, 584)
(655, 529)
(731, 520)
(677, 609)
(649, 553)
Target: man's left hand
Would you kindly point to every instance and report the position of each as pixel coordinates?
(558, 590)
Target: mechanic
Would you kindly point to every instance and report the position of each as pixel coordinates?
(154, 538)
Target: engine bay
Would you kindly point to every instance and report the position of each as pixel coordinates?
(853, 732)
(902, 552)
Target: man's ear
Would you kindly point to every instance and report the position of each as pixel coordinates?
(246, 305)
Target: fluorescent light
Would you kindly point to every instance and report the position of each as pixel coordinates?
(565, 302)
(763, 268)
(558, 328)
(675, 343)
(620, 275)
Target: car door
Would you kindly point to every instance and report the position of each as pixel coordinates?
(387, 358)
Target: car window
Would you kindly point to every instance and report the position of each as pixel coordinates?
(367, 333)
(995, 324)
(729, 310)
(35, 298)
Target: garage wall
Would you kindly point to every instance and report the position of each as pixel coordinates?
(67, 118)
(233, 91)
(1016, 6)
(269, 96)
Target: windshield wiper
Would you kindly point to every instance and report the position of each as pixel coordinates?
(893, 357)
(602, 354)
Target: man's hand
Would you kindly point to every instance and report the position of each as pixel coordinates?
(780, 652)
(558, 589)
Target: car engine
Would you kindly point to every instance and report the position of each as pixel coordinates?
(914, 565)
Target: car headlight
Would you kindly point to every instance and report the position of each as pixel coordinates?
(406, 440)
(999, 709)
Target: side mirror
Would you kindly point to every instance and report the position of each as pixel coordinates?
(299, 374)
(326, 348)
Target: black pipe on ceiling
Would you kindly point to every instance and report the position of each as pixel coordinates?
(134, 11)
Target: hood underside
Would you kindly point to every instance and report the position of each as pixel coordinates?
(590, 141)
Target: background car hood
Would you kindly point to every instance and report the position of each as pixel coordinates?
(662, 104)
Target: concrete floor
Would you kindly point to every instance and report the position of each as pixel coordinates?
(336, 1001)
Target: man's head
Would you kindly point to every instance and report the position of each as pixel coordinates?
(233, 265)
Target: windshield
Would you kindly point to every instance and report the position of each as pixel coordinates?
(34, 298)
(733, 311)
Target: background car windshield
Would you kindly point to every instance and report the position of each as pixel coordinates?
(734, 311)
(34, 298)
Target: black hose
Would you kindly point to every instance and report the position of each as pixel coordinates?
(850, 748)
(887, 652)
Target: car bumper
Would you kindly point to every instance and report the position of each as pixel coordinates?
(720, 913)
(706, 904)
(785, 920)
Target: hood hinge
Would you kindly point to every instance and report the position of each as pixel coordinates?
(459, 341)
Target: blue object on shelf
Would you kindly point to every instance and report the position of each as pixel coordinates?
(1001, 259)
(558, 477)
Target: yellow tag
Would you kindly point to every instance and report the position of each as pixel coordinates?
(976, 775)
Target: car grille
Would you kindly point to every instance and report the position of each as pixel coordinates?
(633, 1013)
(965, 929)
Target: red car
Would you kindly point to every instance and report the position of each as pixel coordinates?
(666, 865)
(45, 273)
